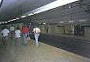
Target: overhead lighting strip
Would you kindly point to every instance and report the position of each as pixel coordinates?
(47, 7)
(52, 5)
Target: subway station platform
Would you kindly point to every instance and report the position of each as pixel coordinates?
(64, 25)
(43, 53)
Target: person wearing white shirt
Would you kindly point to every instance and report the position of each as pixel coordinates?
(5, 34)
(36, 32)
(17, 36)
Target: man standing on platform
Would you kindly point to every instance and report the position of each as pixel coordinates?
(36, 32)
(5, 35)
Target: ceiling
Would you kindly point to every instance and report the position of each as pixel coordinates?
(77, 11)
(72, 12)
(14, 8)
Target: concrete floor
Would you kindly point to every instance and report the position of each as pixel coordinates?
(43, 53)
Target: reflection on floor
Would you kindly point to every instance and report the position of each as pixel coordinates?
(43, 53)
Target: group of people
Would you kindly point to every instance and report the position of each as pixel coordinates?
(17, 33)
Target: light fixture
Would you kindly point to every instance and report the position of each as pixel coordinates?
(49, 6)
(30, 14)
(13, 19)
(44, 23)
(17, 18)
(1, 2)
(70, 7)
(61, 22)
(6, 22)
(23, 16)
(9, 21)
(52, 5)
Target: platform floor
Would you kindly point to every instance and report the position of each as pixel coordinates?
(43, 53)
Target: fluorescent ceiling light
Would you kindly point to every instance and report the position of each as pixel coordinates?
(23, 16)
(61, 22)
(9, 21)
(52, 5)
(17, 18)
(44, 23)
(5, 22)
(13, 19)
(0, 2)
(30, 14)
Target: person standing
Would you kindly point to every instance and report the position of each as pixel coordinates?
(36, 32)
(5, 35)
(25, 32)
(12, 28)
(17, 36)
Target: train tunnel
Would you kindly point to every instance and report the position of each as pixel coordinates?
(64, 25)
